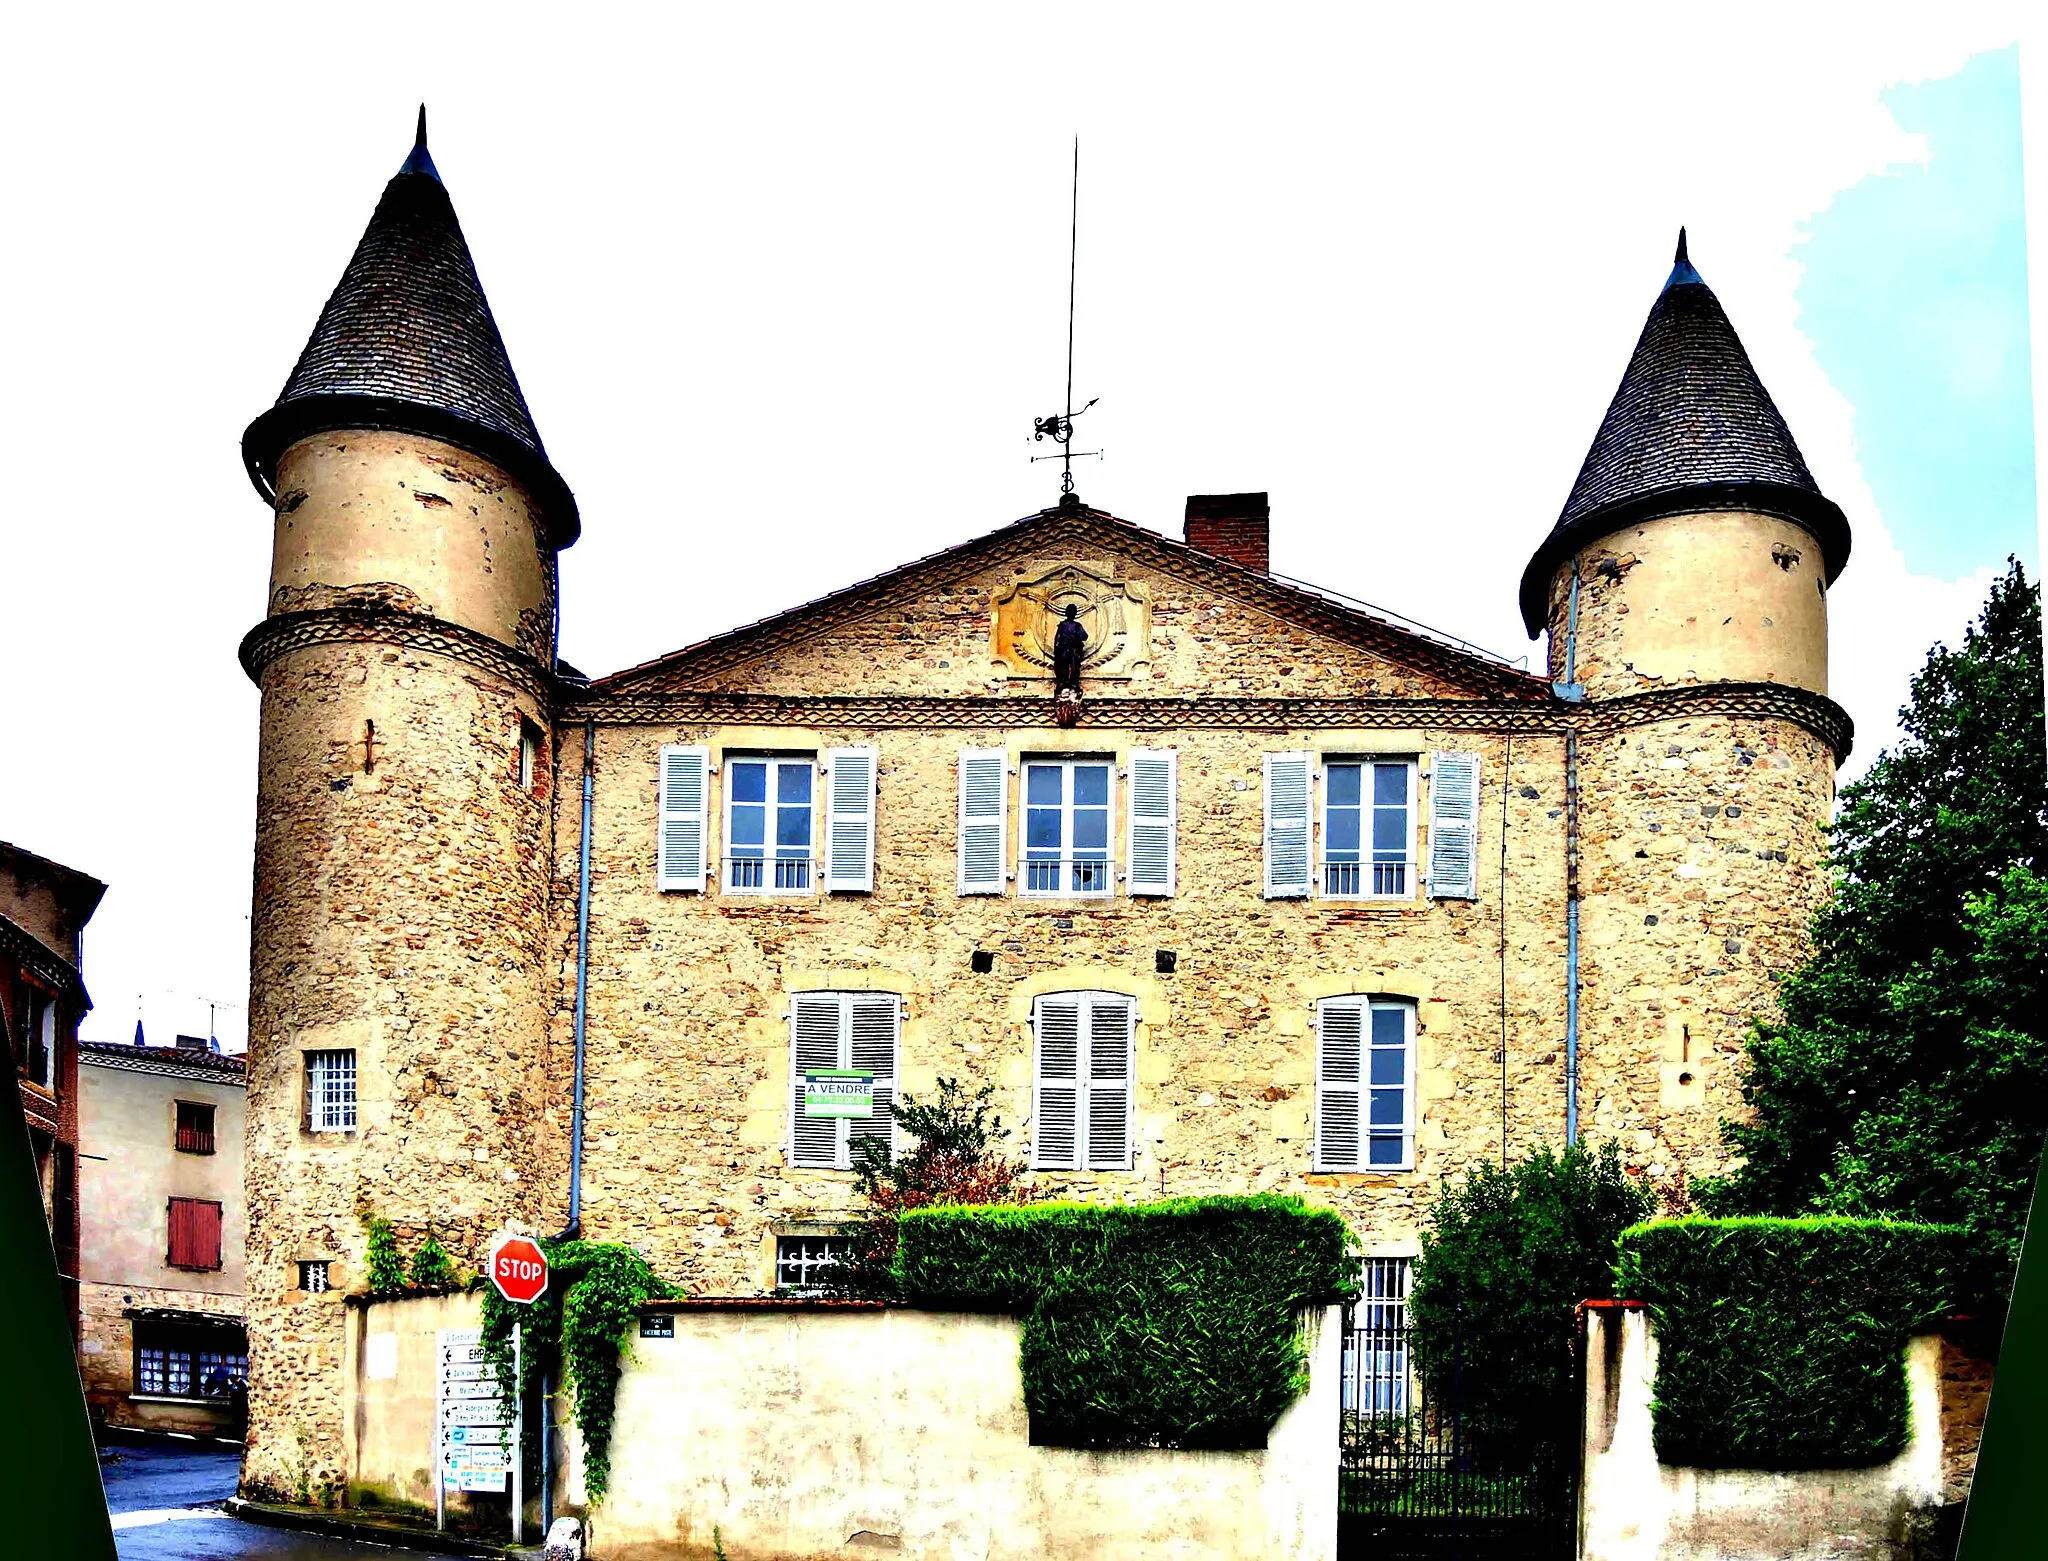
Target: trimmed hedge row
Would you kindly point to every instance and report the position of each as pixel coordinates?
(1169, 1324)
(1781, 1342)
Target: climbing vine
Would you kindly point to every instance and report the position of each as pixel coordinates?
(575, 1333)
(384, 1269)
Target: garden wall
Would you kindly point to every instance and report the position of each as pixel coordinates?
(1634, 1508)
(793, 1429)
(390, 1372)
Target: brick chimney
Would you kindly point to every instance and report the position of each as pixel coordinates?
(1235, 526)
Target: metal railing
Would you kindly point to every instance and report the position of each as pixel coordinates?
(1362, 880)
(1077, 875)
(770, 874)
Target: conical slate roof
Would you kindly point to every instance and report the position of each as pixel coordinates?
(407, 341)
(1691, 428)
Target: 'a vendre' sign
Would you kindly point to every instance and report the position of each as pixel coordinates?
(839, 1094)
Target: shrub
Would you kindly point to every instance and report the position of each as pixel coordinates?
(384, 1269)
(1169, 1324)
(432, 1267)
(1781, 1342)
(1510, 1255)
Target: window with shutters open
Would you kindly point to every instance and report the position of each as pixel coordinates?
(1083, 1047)
(1063, 850)
(1454, 826)
(1365, 1084)
(1154, 846)
(1368, 842)
(769, 823)
(850, 820)
(984, 794)
(681, 849)
(842, 1032)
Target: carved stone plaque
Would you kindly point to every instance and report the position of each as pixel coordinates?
(1116, 613)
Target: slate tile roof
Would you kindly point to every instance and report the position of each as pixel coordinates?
(408, 341)
(1691, 428)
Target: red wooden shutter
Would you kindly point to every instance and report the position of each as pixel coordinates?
(195, 1234)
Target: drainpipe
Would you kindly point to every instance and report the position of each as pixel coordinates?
(575, 1225)
(1571, 690)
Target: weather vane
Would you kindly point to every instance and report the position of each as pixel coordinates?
(1060, 426)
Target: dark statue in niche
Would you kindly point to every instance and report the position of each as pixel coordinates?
(1069, 645)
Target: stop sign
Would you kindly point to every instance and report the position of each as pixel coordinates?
(518, 1268)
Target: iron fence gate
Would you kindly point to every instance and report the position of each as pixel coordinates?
(1412, 1486)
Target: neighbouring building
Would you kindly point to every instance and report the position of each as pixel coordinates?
(44, 907)
(162, 1228)
(1299, 897)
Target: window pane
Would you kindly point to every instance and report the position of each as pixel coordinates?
(749, 825)
(750, 782)
(1389, 831)
(1342, 780)
(1340, 834)
(793, 828)
(793, 782)
(1091, 830)
(1389, 783)
(1387, 1066)
(1389, 1027)
(1042, 783)
(1384, 1151)
(1042, 829)
(1386, 1108)
(1091, 785)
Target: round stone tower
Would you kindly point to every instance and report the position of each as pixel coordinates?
(400, 984)
(1684, 590)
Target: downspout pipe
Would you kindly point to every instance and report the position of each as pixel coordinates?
(1572, 691)
(575, 1225)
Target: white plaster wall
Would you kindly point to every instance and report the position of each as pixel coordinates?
(1633, 1508)
(801, 1432)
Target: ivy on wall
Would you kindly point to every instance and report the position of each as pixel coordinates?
(1169, 1324)
(1781, 1342)
(575, 1332)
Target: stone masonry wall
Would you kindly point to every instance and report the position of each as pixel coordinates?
(106, 1339)
(399, 912)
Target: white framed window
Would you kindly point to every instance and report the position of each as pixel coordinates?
(770, 823)
(1063, 844)
(1378, 1375)
(42, 1038)
(331, 1091)
(1083, 1064)
(529, 754)
(1365, 1084)
(842, 1033)
(804, 1264)
(1368, 839)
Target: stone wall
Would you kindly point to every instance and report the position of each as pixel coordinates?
(1634, 1508)
(106, 1355)
(800, 1431)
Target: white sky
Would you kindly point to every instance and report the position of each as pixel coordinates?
(785, 288)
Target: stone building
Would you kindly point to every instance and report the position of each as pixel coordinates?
(161, 1344)
(44, 907)
(1298, 897)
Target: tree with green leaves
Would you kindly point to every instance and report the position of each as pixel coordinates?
(956, 1159)
(1509, 1255)
(1908, 1074)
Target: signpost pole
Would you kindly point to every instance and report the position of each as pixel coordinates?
(518, 1440)
(440, 1453)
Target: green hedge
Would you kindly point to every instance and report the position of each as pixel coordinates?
(1781, 1342)
(1169, 1324)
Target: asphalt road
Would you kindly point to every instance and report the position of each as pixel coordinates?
(165, 1498)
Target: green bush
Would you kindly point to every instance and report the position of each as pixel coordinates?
(432, 1267)
(1169, 1324)
(1781, 1342)
(574, 1332)
(384, 1269)
(1509, 1255)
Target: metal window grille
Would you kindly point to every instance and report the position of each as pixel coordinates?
(313, 1277)
(1379, 1367)
(782, 873)
(804, 1263)
(195, 1128)
(331, 1084)
(221, 1372)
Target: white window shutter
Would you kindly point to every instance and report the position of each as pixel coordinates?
(1056, 1085)
(1340, 1065)
(1109, 1083)
(873, 1028)
(1155, 820)
(1287, 825)
(680, 846)
(814, 1044)
(1454, 826)
(850, 819)
(984, 793)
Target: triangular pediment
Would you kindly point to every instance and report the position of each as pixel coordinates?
(1164, 620)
